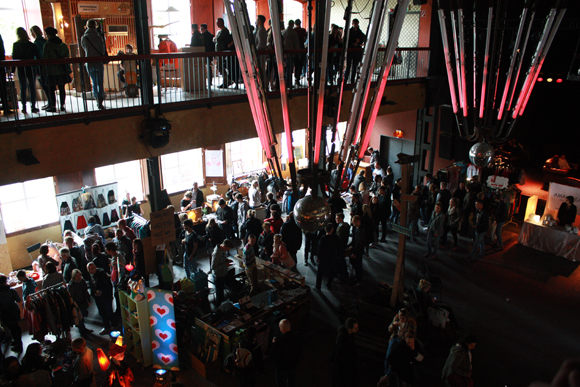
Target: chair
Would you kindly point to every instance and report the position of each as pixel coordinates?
(31, 249)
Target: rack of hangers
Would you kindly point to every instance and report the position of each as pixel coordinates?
(139, 225)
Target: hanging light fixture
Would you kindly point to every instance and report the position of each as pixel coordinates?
(485, 59)
(312, 211)
(103, 360)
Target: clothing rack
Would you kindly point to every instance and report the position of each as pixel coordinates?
(48, 288)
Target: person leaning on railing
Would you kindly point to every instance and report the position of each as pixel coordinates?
(56, 75)
(3, 94)
(23, 48)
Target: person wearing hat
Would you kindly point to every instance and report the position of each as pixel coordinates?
(121, 375)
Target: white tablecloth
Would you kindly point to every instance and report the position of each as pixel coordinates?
(553, 240)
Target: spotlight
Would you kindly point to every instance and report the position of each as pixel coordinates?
(162, 378)
(549, 80)
(559, 80)
(540, 79)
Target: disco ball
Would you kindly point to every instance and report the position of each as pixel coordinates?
(481, 154)
(311, 213)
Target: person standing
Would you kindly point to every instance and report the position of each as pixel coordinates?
(291, 41)
(209, 47)
(356, 207)
(102, 292)
(28, 284)
(94, 46)
(225, 218)
(396, 201)
(501, 214)
(451, 223)
(468, 206)
(254, 195)
(435, 231)
(78, 290)
(567, 212)
(68, 264)
(444, 196)
(292, 235)
(266, 242)
(220, 265)
(196, 37)
(190, 243)
(402, 356)
(481, 221)
(327, 256)
(56, 76)
(261, 40)
(40, 41)
(358, 246)
(3, 94)
(242, 214)
(223, 40)
(24, 49)
(344, 367)
(299, 58)
(285, 352)
(384, 210)
(356, 39)
(249, 258)
(413, 212)
(10, 312)
(343, 233)
(460, 193)
(458, 367)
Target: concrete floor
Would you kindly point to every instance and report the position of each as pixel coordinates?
(521, 303)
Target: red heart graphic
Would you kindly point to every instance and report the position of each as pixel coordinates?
(170, 299)
(151, 321)
(173, 347)
(165, 359)
(154, 345)
(163, 336)
(161, 311)
(149, 296)
(173, 325)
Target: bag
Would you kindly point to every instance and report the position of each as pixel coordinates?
(243, 357)
(77, 204)
(437, 317)
(106, 220)
(167, 270)
(97, 218)
(114, 216)
(81, 222)
(89, 202)
(68, 226)
(64, 209)
(111, 196)
(230, 361)
(101, 202)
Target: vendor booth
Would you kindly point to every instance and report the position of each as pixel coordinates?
(544, 234)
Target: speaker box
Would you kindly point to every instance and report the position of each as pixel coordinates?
(447, 121)
(446, 146)
(461, 151)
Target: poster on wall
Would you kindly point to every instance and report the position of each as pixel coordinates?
(557, 195)
(76, 207)
(163, 332)
(214, 163)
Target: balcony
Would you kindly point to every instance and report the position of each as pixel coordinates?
(178, 81)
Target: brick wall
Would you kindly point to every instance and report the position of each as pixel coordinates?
(48, 18)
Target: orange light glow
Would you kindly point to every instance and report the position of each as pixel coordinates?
(103, 360)
(119, 341)
(398, 133)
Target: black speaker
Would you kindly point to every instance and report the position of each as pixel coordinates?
(447, 121)
(446, 146)
(462, 147)
(158, 129)
(419, 2)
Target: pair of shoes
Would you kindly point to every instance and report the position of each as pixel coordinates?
(104, 331)
(101, 106)
(45, 107)
(34, 110)
(51, 110)
(63, 108)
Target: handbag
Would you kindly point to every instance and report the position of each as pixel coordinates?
(101, 202)
(64, 209)
(166, 269)
(81, 222)
(77, 204)
(106, 220)
(114, 216)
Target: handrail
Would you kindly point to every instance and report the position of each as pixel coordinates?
(160, 56)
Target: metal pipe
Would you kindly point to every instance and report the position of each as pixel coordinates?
(485, 62)
(447, 54)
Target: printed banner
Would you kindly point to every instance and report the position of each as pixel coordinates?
(163, 329)
(76, 207)
(214, 166)
(558, 193)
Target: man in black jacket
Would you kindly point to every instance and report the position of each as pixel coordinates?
(343, 233)
(292, 236)
(443, 197)
(344, 368)
(327, 256)
(481, 226)
(209, 47)
(102, 292)
(384, 210)
(356, 206)
(501, 214)
(197, 39)
(225, 218)
(401, 357)
(285, 352)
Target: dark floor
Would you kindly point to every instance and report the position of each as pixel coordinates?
(522, 304)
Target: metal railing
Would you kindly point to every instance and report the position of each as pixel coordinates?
(88, 88)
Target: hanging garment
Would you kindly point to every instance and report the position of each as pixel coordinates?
(101, 202)
(77, 204)
(106, 220)
(89, 202)
(111, 196)
(97, 218)
(64, 209)
(81, 222)
(114, 216)
(68, 226)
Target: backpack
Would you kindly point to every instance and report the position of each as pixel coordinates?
(77, 204)
(101, 202)
(111, 196)
(64, 209)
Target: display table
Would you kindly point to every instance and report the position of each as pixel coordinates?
(553, 240)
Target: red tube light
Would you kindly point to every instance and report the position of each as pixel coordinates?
(559, 80)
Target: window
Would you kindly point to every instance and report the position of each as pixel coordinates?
(24, 14)
(181, 169)
(246, 156)
(176, 13)
(127, 175)
(29, 204)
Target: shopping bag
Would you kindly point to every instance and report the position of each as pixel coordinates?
(167, 269)
(101, 202)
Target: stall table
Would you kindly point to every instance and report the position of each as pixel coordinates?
(553, 240)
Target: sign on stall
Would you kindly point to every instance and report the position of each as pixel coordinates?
(498, 182)
(162, 227)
